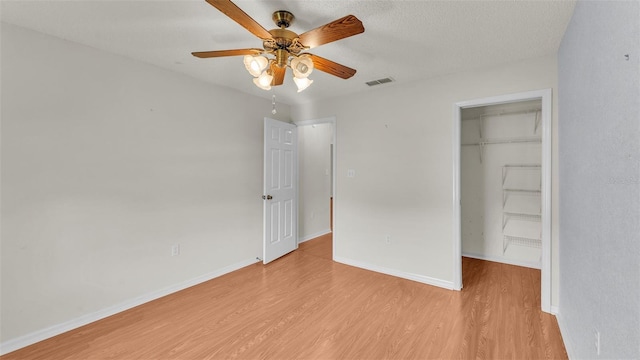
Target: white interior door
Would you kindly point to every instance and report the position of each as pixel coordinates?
(280, 189)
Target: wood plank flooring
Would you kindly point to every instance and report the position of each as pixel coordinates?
(305, 306)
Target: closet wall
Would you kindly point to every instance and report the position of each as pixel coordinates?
(500, 183)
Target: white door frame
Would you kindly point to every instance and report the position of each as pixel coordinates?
(546, 113)
(328, 120)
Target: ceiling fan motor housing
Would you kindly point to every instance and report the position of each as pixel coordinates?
(283, 38)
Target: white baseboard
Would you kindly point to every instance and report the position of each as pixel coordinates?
(526, 264)
(401, 274)
(566, 338)
(34, 337)
(313, 236)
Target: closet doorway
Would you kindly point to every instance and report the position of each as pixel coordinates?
(317, 161)
(502, 175)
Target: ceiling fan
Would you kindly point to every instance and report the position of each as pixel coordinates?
(283, 48)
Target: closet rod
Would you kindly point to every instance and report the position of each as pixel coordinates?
(504, 113)
(505, 141)
(521, 166)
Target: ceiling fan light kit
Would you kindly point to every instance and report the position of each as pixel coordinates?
(255, 64)
(302, 83)
(286, 47)
(302, 66)
(264, 81)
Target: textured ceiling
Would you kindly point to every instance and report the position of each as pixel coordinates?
(405, 40)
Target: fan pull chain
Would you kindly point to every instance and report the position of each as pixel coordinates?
(273, 102)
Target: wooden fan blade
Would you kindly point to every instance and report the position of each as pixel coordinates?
(236, 14)
(278, 74)
(335, 30)
(331, 67)
(220, 53)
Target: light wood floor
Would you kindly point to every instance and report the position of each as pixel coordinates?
(305, 306)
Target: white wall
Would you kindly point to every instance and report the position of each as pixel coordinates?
(398, 139)
(600, 180)
(106, 163)
(314, 172)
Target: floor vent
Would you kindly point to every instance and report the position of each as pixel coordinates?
(379, 81)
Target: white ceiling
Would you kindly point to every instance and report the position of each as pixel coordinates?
(405, 40)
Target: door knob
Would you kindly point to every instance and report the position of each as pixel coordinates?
(267, 197)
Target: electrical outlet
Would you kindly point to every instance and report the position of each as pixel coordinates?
(597, 341)
(175, 249)
(387, 239)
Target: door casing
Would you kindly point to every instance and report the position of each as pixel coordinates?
(329, 120)
(546, 113)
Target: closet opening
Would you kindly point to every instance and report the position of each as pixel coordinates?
(316, 171)
(502, 183)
